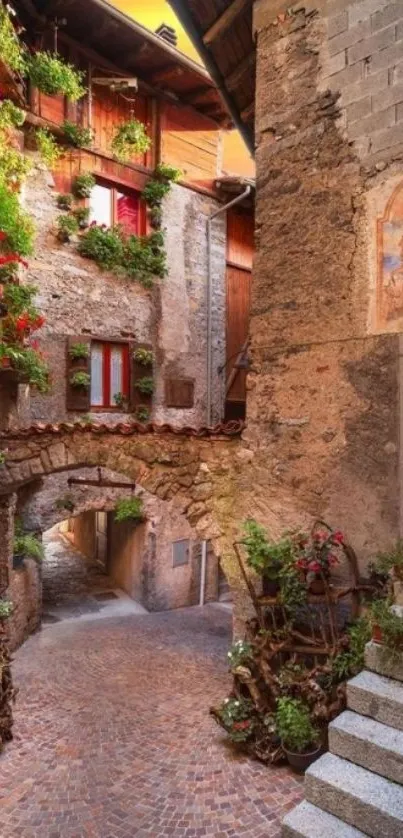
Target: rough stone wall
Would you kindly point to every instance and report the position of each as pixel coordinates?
(76, 297)
(323, 402)
(25, 592)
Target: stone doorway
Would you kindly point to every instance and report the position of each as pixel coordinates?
(76, 584)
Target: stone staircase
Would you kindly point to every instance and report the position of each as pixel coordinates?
(356, 790)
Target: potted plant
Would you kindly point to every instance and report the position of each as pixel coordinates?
(82, 214)
(67, 227)
(145, 385)
(83, 185)
(265, 557)
(47, 147)
(80, 380)
(143, 356)
(301, 741)
(6, 608)
(390, 561)
(238, 717)
(387, 625)
(120, 400)
(130, 139)
(65, 201)
(26, 546)
(79, 351)
(129, 509)
(51, 75)
(76, 135)
(142, 413)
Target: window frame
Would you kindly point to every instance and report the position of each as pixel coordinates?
(116, 188)
(107, 346)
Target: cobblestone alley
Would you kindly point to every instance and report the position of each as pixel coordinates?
(113, 737)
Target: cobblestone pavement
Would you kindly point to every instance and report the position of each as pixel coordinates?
(113, 737)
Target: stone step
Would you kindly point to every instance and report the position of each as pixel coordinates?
(380, 660)
(368, 743)
(307, 821)
(378, 697)
(357, 796)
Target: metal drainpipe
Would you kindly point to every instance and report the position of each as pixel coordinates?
(226, 207)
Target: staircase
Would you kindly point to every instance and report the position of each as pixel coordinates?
(356, 790)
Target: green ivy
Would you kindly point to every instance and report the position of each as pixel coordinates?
(10, 115)
(47, 146)
(50, 74)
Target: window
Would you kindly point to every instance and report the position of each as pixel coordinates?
(109, 373)
(180, 552)
(111, 206)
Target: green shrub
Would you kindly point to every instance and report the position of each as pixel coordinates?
(144, 357)
(15, 223)
(129, 140)
(129, 509)
(67, 227)
(104, 245)
(82, 214)
(80, 379)
(167, 172)
(351, 662)
(47, 147)
(142, 413)
(29, 363)
(79, 351)
(76, 135)
(50, 74)
(294, 725)
(145, 258)
(28, 545)
(83, 185)
(145, 385)
(387, 561)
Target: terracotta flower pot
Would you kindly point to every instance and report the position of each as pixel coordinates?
(300, 762)
(376, 634)
(5, 363)
(317, 586)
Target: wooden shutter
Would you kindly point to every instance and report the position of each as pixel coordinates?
(179, 392)
(139, 371)
(77, 398)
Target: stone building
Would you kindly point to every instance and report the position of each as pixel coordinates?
(195, 321)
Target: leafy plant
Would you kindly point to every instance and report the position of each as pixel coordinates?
(15, 224)
(67, 227)
(83, 185)
(145, 258)
(142, 413)
(120, 400)
(80, 379)
(391, 560)
(129, 509)
(29, 363)
(76, 135)
(154, 192)
(104, 245)
(294, 725)
(6, 608)
(144, 357)
(130, 139)
(47, 147)
(389, 623)
(11, 50)
(265, 557)
(2, 458)
(82, 214)
(240, 654)
(145, 385)
(79, 351)
(28, 545)
(50, 74)
(65, 201)
(351, 662)
(167, 172)
(14, 167)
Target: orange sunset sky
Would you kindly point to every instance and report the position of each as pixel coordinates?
(153, 12)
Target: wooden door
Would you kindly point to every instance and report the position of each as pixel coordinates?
(238, 313)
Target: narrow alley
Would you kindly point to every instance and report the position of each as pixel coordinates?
(113, 738)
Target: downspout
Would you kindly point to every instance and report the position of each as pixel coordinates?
(203, 573)
(210, 219)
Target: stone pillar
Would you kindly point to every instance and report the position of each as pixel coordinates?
(7, 512)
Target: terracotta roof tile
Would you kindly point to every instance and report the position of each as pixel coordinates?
(229, 429)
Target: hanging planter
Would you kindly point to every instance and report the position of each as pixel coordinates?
(79, 351)
(83, 185)
(53, 76)
(145, 385)
(81, 380)
(145, 357)
(130, 139)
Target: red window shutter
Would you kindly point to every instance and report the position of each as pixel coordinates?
(128, 213)
(77, 398)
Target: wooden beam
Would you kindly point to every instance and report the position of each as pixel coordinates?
(234, 78)
(224, 21)
(167, 74)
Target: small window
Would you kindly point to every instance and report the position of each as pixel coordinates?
(109, 373)
(180, 552)
(112, 206)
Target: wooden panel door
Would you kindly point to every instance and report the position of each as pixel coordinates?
(238, 313)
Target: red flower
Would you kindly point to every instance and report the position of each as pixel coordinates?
(3, 236)
(320, 535)
(332, 559)
(338, 537)
(23, 322)
(38, 322)
(241, 725)
(314, 567)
